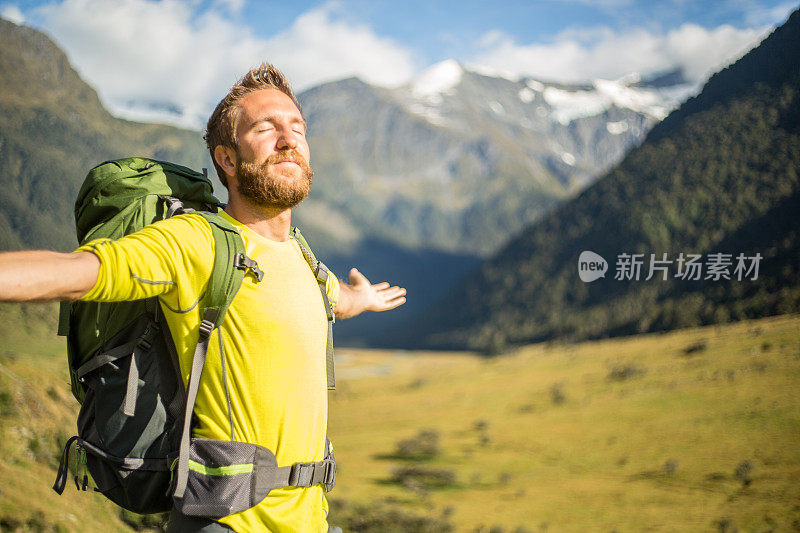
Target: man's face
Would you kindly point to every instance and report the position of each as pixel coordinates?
(272, 165)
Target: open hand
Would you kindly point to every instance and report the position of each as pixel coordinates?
(362, 296)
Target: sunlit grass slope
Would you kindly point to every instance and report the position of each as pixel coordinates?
(696, 430)
(37, 416)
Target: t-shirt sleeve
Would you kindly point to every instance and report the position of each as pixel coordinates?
(171, 259)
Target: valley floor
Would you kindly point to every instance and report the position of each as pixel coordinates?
(694, 430)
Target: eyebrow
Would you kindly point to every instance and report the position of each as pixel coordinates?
(273, 118)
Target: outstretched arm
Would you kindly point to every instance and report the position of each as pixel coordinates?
(362, 296)
(41, 276)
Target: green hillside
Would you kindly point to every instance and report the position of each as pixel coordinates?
(693, 430)
(719, 175)
(53, 128)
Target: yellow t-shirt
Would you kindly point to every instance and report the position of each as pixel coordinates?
(274, 337)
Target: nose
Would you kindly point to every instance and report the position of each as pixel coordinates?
(287, 139)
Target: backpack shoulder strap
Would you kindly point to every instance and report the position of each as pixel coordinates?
(321, 272)
(230, 266)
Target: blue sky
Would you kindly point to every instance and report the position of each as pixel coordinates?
(437, 31)
(190, 51)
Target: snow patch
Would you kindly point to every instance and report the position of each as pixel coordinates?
(535, 85)
(430, 114)
(526, 95)
(13, 13)
(491, 72)
(570, 105)
(640, 100)
(616, 128)
(497, 107)
(437, 79)
(156, 113)
(630, 79)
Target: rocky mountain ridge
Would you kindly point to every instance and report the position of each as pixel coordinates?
(718, 178)
(459, 161)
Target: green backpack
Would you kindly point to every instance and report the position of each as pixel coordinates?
(134, 426)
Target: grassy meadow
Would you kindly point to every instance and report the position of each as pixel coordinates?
(694, 430)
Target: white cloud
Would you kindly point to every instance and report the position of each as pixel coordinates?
(578, 55)
(13, 13)
(167, 52)
(319, 47)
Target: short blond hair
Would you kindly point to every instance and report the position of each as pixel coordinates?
(221, 127)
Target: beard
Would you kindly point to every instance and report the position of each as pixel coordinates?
(267, 185)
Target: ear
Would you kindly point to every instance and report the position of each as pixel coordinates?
(225, 157)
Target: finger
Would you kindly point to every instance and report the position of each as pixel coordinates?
(394, 303)
(391, 299)
(357, 278)
(393, 292)
(380, 286)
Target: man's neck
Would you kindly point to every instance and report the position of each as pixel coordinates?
(272, 223)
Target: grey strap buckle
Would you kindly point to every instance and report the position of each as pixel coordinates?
(144, 344)
(174, 206)
(206, 327)
(322, 272)
(144, 341)
(310, 474)
(243, 262)
(301, 475)
(329, 474)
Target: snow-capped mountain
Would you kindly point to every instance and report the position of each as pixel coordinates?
(556, 101)
(160, 112)
(460, 158)
(447, 95)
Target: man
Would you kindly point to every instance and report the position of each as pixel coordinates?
(274, 335)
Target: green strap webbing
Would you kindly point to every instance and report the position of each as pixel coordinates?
(227, 470)
(321, 272)
(225, 277)
(222, 287)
